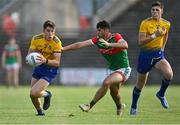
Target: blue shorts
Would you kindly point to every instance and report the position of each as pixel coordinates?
(45, 72)
(147, 59)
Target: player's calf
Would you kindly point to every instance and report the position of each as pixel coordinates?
(47, 100)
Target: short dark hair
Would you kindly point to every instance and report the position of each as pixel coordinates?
(157, 3)
(103, 24)
(48, 23)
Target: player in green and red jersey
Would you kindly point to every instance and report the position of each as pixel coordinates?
(114, 49)
(11, 62)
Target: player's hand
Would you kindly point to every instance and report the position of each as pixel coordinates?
(159, 31)
(104, 42)
(42, 59)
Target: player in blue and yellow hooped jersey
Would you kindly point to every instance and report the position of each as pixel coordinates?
(114, 49)
(153, 35)
(49, 46)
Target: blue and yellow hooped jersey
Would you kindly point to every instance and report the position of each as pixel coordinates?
(46, 48)
(149, 26)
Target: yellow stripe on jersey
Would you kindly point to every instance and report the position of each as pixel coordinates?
(46, 48)
(149, 26)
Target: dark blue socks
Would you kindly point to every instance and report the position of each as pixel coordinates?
(135, 98)
(164, 86)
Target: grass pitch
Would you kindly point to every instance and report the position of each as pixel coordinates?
(16, 107)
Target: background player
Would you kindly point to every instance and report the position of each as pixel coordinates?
(49, 46)
(114, 49)
(153, 35)
(11, 62)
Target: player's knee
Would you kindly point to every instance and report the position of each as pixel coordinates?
(34, 93)
(169, 75)
(106, 84)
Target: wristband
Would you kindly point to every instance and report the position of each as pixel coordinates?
(46, 61)
(153, 36)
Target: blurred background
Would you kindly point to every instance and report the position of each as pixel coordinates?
(75, 21)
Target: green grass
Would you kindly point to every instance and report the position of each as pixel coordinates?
(16, 107)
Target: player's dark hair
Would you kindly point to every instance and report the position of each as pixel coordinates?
(48, 23)
(103, 24)
(157, 3)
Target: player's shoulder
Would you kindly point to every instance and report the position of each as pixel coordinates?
(39, 36)
(116, 34)
(56, 39)
(166, 21)
(147, 20)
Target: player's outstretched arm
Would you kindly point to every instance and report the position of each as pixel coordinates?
(77, 45)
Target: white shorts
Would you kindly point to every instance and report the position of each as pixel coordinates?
(125, 72)
(12, 66)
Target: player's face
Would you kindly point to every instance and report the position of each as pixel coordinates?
(156, 12)
(101, 32)
(49, 33)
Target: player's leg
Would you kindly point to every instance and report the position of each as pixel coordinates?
(145, 64)
(114, 91)
(35, 100)
(37, 91)
(141, 81)
(16, 81)
(9, 77)
(15, 76)
(111, 79)
(164, 67)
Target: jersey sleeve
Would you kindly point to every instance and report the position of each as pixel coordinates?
(143, 27)
(117, 37)
(94, 39)
(169, 26)
(33, 44)
(58, 45)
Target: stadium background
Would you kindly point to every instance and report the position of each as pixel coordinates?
(75, 21)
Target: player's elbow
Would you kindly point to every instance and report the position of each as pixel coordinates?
(57, 63)
(125, 46)
(54, 63)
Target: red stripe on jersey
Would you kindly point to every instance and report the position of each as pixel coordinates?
(94, 39)
(110, 51)
(117, 37)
